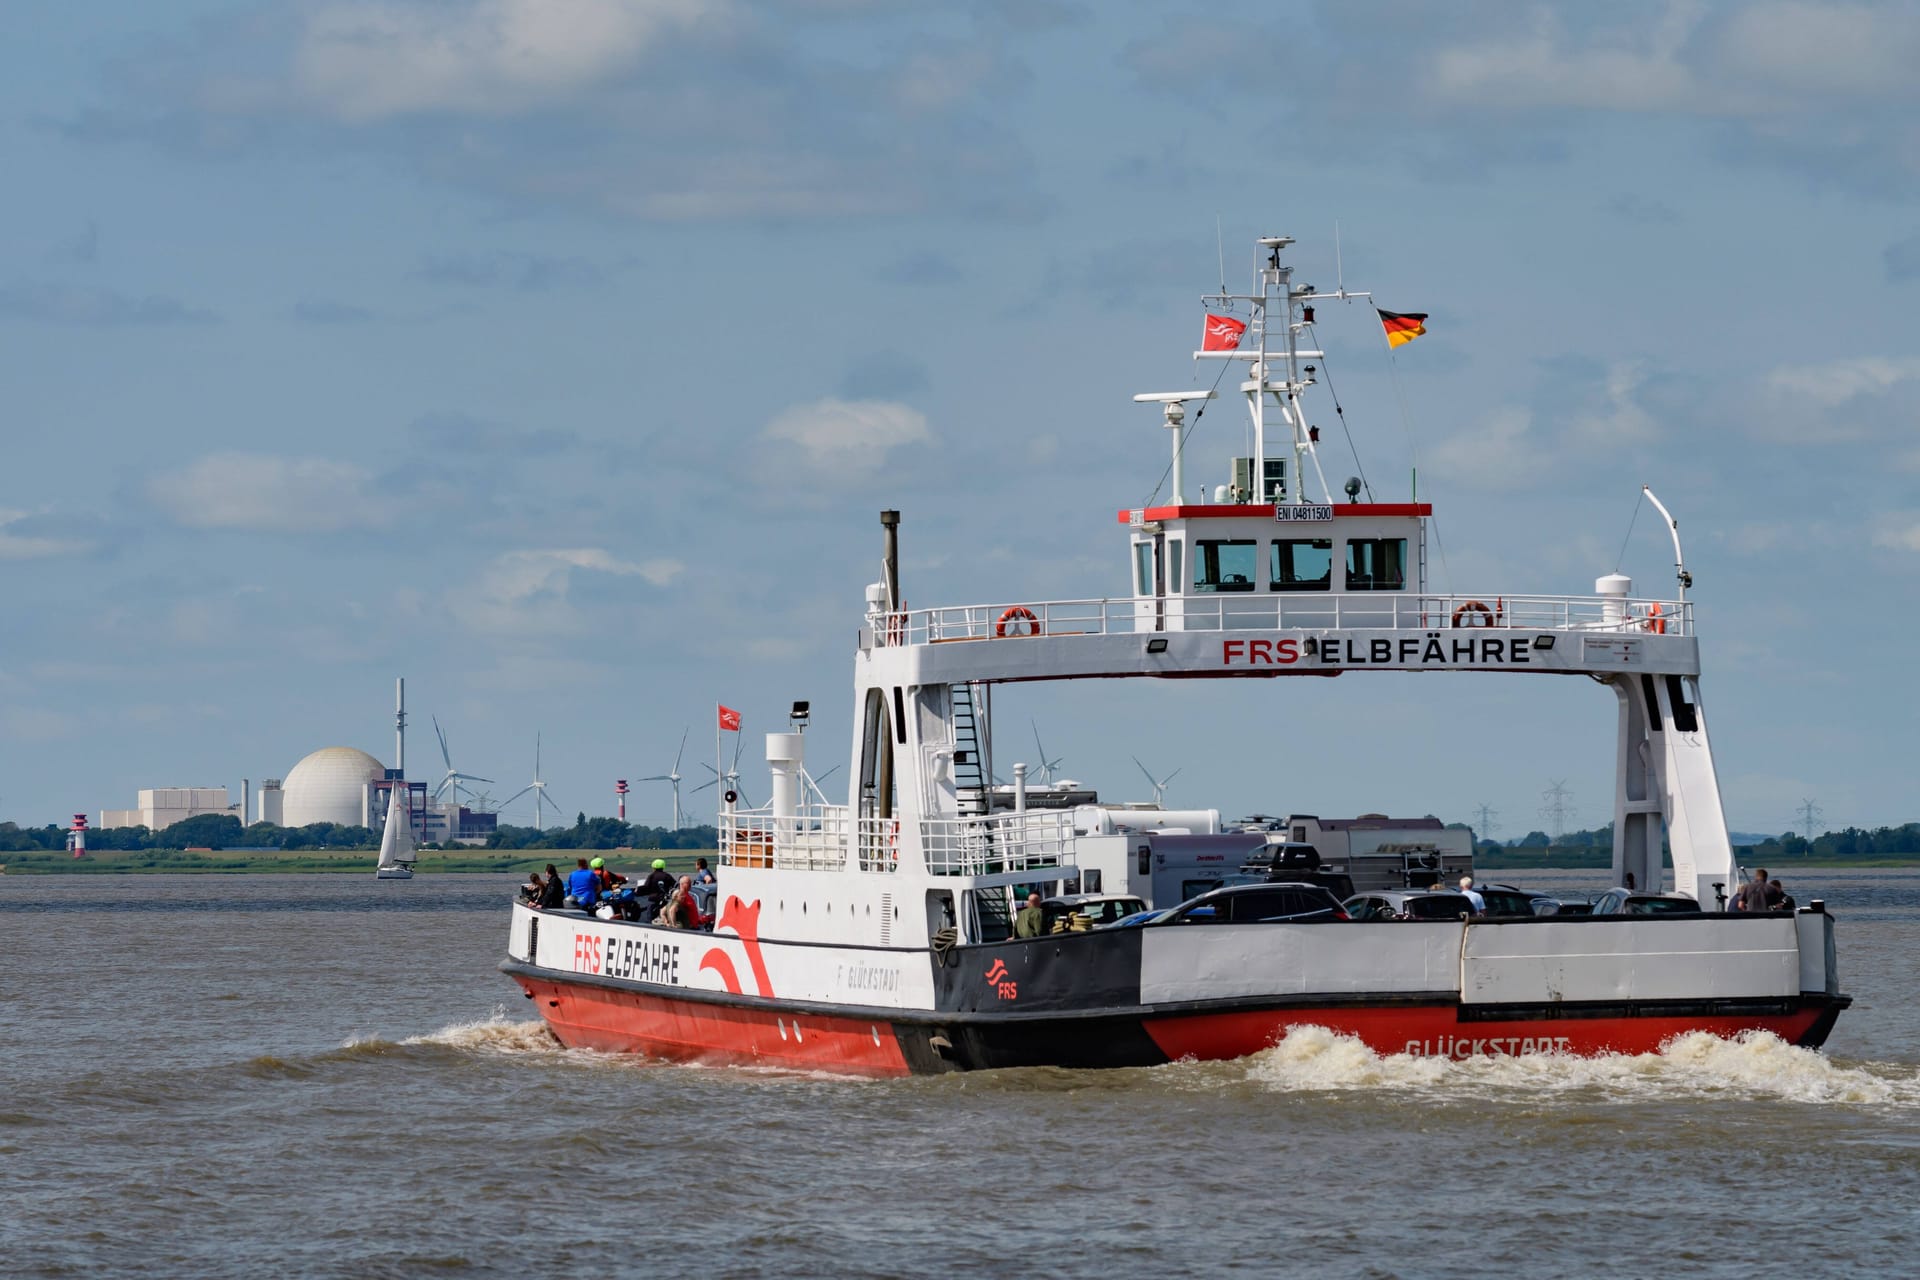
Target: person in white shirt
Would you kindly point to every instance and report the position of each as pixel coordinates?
(1473, 895)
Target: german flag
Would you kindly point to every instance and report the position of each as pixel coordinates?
(1402, 328)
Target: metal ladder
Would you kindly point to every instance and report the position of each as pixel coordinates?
(969, 771)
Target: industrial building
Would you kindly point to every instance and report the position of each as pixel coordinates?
(344, 786)
(157, 807)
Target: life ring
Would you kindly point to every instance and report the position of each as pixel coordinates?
(1655, 623)
(1469, 609)
(1017, 614)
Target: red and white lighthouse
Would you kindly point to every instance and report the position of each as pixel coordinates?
(620, 789)
(77, 836)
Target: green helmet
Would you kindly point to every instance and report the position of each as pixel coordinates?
(598, 863)
(659, 864)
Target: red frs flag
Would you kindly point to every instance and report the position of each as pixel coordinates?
(1222, 334)
(729, 719)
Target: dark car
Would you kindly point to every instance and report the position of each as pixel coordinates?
(1409, 904)
(1505, 900)
(1257, 903)
(1626, 902)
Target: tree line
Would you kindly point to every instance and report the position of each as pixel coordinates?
(1849, 842)
(223, 831)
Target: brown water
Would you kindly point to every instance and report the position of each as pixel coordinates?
(264, 1075)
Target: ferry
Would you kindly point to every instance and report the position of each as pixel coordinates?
(877, 936)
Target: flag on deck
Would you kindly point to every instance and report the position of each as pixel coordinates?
(1402, 328)
(1222, 334)
(729, 719)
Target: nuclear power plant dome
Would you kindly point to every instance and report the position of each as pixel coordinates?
(327, 787)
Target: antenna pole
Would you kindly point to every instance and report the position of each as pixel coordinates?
(1679, 561)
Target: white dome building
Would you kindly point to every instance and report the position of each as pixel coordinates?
(329, 786)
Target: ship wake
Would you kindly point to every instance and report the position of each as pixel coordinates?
(1693, 1065)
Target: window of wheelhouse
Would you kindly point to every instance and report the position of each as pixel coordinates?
(877, 795)
(1376, 564)
(1302, 564)
(1143, 568)
(1225, 564)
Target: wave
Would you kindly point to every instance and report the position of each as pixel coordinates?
(1695, 1064)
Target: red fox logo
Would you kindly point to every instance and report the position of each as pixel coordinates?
(744, 920)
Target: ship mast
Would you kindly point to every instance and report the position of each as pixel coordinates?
(1277, 294)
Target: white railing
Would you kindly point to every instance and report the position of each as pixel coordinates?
(827, 838)
(1005, 842)
(1254, 611)
(813, 839)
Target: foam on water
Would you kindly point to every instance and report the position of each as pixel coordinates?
(495, 1034)
(1692, 1065)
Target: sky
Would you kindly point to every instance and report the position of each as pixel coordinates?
(558, 355)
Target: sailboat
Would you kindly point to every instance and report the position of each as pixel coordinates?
(396, 842)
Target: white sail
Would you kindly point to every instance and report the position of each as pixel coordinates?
(396, 842)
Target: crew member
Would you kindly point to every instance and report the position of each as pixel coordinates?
(1027, 923)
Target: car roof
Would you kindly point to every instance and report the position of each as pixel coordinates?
(1084, 899)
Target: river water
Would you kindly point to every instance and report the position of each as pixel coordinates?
(326, 1076)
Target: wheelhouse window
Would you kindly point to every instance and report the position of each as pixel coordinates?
(1143, 568)
(1376, 564)
(1302, 564)
(1221, 564)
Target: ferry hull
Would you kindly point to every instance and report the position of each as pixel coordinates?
(617, 1017)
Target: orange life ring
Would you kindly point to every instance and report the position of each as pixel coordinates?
(1655, 623)
(1016, 614)
(1469, 609)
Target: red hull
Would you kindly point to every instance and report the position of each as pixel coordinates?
(1437, 1031)
(591, 1017)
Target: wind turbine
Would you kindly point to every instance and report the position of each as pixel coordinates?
(453, 777)
(731, 777)
(1159, 785)
(538, 786)
(813, 783)
(673, 776)
(1046, 767)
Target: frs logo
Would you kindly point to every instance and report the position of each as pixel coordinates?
(1222, 333)
(997, 976)
(586, 953)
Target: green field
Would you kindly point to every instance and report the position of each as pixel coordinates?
(343, 861)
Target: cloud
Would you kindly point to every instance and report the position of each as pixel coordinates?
(269, 494)
(923, 266)
(659, 110)
(19, 545)
(844, 439)
(1615, 415)
(367, 60)
(1501, 452)
(1836, 382)
(1900, 534)
(528, 592)
(102, 308)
